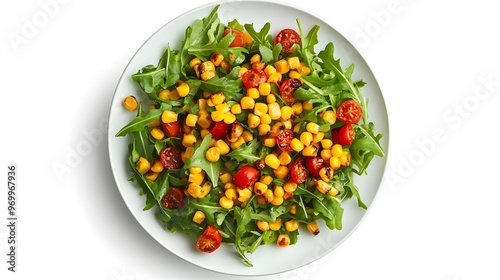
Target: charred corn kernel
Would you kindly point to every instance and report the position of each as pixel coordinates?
(286, 113)
(259, 188)
(247, 136)
(243, 70)
(329, 116)
(247, 38)
(263, 129)
(265, 119)
(164, 94)
(272, 161)
(318, 137)
(183, 89)
(157, 133)
(278, 191)
(217, 98)
(312, 127)
(194, 61)
(253, 120)
(304, 70)
(240, 141)
(168, 116)
(260, 109)
(222, 146)
(205, 189)
(191, 120)
(306, 138)
(142, 165)
(266, 179)
(151, 175)
(281, 172)
(268, 195)
(291, 225)
(310, 151)
(247, 102)
(229, 118)
(263, 225)
(232, 58)
(326, 144)
(326, 173)
(157, 166)
(229, 185)
(194, 190)
(207, 66)
(281, 66)
(297, 108)
(217, 116)
(289, 186)
(244, 194)
(294, 74)
(264, 89)
(326, 154)
(274, 111)
(326, 188)
(293, 62)
(255, 58)
(306, 105)
(285, 158)
(236, 109)
(226, 203)
(259, 65)
(296, 145)
(225, 65)
(231, 194)
(274, 78)
(198, 217)
(269, 142)
(216, 58)
(225, 177)
(337, 150)
(196, 178)
(253, 93)
(271, 98)
(283, 240)
(188, 140)
(335, 163)
(345, 158)
(313, 228)
(269, 70)
(277, 200)
(213, 154)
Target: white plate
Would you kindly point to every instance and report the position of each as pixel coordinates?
(267, 259)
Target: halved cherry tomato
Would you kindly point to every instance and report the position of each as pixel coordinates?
(219, 129)
(343, 135)
(284, 139)
(298, 170)
(253, 78)
(174, 198)
(313, 165)
(288, 38)
(209, 240)
(172, 129)
(170, 158)
(349, 111)
(246, 176)
(287, 89)
(238, 41)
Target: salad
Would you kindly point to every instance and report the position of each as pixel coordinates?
(242, 136)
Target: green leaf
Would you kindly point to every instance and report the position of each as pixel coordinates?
(140, 122)
(246, 152)
(230, 85)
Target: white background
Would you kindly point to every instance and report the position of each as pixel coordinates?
(436, 216)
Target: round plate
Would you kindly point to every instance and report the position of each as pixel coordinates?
(225, 260)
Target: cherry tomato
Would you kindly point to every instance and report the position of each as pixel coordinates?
(209, 240)
(174, 198)
(219, 129)
(288, 38)
(238, 41)
(287, 89)
(253, 78)
(349, 111)
(171, 158)
(246, 176)
(313, 165)
(172, 129)
(343, 135)
(284, 139)
(298, 170)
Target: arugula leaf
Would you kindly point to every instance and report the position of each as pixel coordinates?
(140, 122)
(230, 85)
(198, 159)
(246, 152)
(259, 38)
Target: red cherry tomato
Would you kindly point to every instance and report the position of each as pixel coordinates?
(284, 139)
(344, 135)
(172, 129)
(174, 198)
(287, 89)
(349, 111)
(238, 41)
(288, 38)
(170, 158)
(313, 165)
(246, 176)
(219, 129)
(209, 240)
(253, 78)
(298, 170)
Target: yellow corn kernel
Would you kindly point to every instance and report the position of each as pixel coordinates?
(289, 186)
(187, 154)
(168, 116)
(260, 109)
(255, 58)
(281, 172)
(304, 70)
(287, 124)
(274, 111)
(326, 144)
(194, 61)
(194, 190)
(265, 89)
(286, 113)
(271, 98)
(207, 66)
(313, 228)
(296, 145)
(157, 166)
(281, 66)
(291, 225)
(226, 203)
(285, 158)
(272, 161)
(212, 142)
(195, 169)
(157, 133)
(204, 132)
(205, 189)
(247, 102)
(188, 140)
(259, 188)
(268, 195)
(225, 65)
(229, 185)
(217, 116)
(278, 191)
(142, 165)
(207, 75)
(318, 137)
(297, 108)
(213, 154)
(174, 95)
(222, 146)
(312, 127)
(229, 118)
(326, 154)
(294, 74)
(224, 107)
(269, 70)
(269, 142)
(151, 175)
(265, 119)
(296, 128)
(217, 98)
(206, 96)
(306, 105)
(329, 116)
(293, 209)
(247, 38)
(243, 70)
(266, 179)
(261, 199)
(283, 240)
(253, 120)
(326, 188)
(259, 65)
(293, 62)
(306, 138)
(183, 89)
(277, 200)
(202, 104)
(345, 158)
(263, 129)
(310, 151)
(130, 103)
(231, 194)
(191, 120)
(196, 178)
(216, 58)
(244, 194)
(225, 177)
(240, 141)
(263, 225)
(253, 93)
(326, 173)
(236, 109)
(198, 217)
(232, 58)
(155, 123)
(164, 94)
(334, 163)
(247, 136)
(337, 150)
(274, 78)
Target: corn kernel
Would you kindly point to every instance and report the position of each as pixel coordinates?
(213, 154)
(337, 150)
(291, 225)
(236, 109)
(281, 66)
(263, 225)
(326, 154)
(191, 120)
(326, 188)
(259, 65)
(253, 93)
(217, 98)
(222, 146)
(216, 58)
(271, 98)
(286, 113)
(296, 145)
(313, 228)
(225, 65)
(318, 137)
(207, 75)
(157, 133)
(188, 140)
(274, 78)
(217, 116)
(198, 217)
(345, 158)
(231, 193)
(168, 116)
(304, 70)
(283, 240)
(274, 111)
(269, 70)
(265, 119)
(277, 200)
(226, 203)
(289, 186)
(293, 62)
(243, 70)
(229, 185)
(272, 161)
(329, 116)
(310, 151)
(196, 178)
(326, 144)
(268, 195)
(247, 38)
(194, 61)
(293, 209)
(306, 138)
(281, 172)
(259, 188)
(255, 58)
(247, 102)
(297, 108)
(229, 118)
(253, 120)
(157, 166)
(278, 191)
(240, 141)
(306, 105)
(266, 179)
(142, 165)
(285, 158)
(130, 103)
(294, 74)
(312, 127)
(263, 129)
(223, 107)
(247, 136)
(244, 194)
(269, 142)
(183, 89)
(334, 163)
(225, 177)
(151, 175)
(265, 89)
